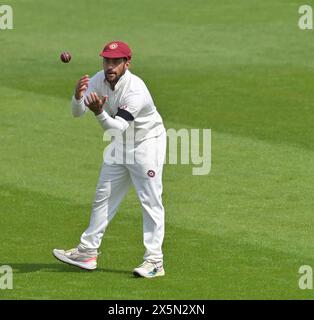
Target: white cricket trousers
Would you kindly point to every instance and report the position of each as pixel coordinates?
(114, 181)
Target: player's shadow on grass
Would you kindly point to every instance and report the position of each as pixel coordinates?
(57, 267)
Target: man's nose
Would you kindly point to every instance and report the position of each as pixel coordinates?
(110, 66)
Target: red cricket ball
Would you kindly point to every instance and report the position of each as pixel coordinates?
(65, 57)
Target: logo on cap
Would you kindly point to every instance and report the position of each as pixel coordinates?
(113, 46)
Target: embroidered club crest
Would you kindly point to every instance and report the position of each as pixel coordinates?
(113, 46)
(151, 173)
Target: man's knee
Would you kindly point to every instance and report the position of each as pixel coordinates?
(103, 192)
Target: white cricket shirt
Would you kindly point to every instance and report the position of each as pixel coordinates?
(130, 94)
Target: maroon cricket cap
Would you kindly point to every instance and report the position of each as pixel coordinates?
(116, 49)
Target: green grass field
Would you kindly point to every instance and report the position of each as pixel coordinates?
(241, 68)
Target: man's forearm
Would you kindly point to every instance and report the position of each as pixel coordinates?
(107, 122)
(78, 107)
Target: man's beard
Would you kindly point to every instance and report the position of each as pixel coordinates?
(116, 79)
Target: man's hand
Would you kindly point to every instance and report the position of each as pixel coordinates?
(94, 103)
(81, 87)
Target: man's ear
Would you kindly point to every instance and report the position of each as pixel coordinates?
(127, 64)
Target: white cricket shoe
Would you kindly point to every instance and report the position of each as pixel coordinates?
(83, 259)
(149, 269)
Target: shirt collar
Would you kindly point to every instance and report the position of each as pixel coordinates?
(120, 82)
